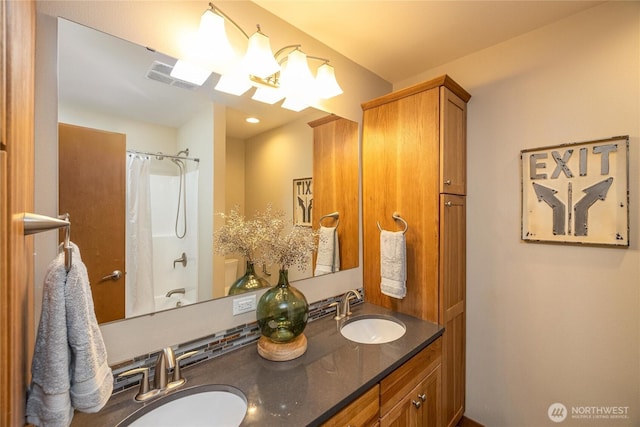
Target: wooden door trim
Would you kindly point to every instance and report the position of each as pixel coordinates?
(17, 132)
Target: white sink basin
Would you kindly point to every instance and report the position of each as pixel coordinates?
(372, 329)
(207, 405)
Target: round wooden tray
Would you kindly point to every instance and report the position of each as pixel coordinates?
(280, 352)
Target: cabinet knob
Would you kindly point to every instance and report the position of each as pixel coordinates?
(422, 397)
(447, 182)
(416, 403)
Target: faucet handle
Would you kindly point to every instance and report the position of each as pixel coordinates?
(337, 306)
(177, 379)
(143, 392)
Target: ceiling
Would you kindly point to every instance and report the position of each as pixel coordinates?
(394, 39)
(400, 39)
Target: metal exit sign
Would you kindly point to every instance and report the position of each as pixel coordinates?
(577, 193)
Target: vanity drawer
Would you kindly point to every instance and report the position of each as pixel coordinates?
(400, 382)
(362, 412)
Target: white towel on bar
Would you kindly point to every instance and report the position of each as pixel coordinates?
(328, 259)
(393, 264)
(69, 368)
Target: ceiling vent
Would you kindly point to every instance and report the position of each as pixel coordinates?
(161, 72)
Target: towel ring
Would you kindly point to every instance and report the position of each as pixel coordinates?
(397, 216)
(334, 215)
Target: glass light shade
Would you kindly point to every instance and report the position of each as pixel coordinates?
(259, 60)
(233, 83)
(268, 95)
(326, 83)
(296, 80)
(190, 72)
(294, 104)
(214, 48)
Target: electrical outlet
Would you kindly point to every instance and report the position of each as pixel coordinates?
(244, 304)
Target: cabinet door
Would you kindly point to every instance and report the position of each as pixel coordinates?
(453, 143)
(453, 305)
(420, 407)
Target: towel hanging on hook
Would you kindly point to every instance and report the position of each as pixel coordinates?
(34, 223)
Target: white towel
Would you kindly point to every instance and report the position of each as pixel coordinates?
(393, 264)
(69, 367)
(328, 260)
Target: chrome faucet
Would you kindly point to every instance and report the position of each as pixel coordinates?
(343, 308)
(175, 291)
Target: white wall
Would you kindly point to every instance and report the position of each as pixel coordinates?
(549, 323)
(197, 136)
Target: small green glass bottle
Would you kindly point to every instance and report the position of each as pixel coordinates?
(282, 311)
(250, 281)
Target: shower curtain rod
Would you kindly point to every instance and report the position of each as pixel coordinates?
(160, 155)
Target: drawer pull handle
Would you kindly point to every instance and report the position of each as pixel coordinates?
(422, 397)
(416, 403)
(447, 182)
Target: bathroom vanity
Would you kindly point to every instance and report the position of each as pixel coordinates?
(336, 382)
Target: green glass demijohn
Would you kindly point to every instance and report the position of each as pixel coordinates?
(250, 281)
(282, 311)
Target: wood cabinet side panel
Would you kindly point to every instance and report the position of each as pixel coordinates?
(400, 173)
(335, 182)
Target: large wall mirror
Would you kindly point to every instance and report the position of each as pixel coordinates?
(146, 161)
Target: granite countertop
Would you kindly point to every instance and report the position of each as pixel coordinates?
(304, 391)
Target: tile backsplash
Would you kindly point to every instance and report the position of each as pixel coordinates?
(211, 346)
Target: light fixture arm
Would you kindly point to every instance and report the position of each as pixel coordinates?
(217, 10)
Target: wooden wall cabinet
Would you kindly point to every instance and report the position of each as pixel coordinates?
(335, 181)
(414, 164)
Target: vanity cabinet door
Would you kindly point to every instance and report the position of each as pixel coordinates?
(363, 412)
(420, 407)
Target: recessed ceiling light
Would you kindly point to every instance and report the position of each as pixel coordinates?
(252, 120)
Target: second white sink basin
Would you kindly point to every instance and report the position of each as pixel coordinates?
(373, 329)
(206, 405)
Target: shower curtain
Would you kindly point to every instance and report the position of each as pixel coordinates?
(139, 292)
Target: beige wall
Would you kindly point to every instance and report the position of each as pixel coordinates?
(549, 323)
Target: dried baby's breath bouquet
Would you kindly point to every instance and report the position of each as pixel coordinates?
(239, 235)
(261, 239)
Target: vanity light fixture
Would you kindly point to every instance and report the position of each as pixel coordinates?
(274, 76)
